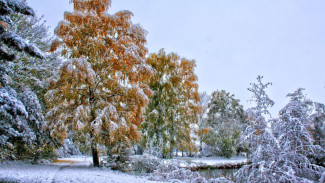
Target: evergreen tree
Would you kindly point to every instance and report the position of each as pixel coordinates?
(99, 96)
(21, 117)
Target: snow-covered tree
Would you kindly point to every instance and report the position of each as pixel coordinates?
(263, 144)
(225, 119)
(100, 94)
(174, 106)
(21, 114)
(295, 138)
(257, 115)
(285, 152)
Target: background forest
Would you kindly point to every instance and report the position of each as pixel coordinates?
(94, 89)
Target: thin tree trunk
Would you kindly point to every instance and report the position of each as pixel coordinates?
(94, 150)
(95, 153)
(200, 150)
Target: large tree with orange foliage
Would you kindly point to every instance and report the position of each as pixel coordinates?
(99, 95)
(172, 110)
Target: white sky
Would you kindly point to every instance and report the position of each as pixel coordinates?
(232, 41)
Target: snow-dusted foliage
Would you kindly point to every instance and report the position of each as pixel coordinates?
(9, 38)
(318, 124)
(171, 171)
(225, 120)
(21, 122)
(30, 71)
(284, 147)
(12, 123)
(68, 149)
(145, 163)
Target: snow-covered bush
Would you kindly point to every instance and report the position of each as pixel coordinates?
(119, 157)
(68, 148)
(145, 163)
(173, 172)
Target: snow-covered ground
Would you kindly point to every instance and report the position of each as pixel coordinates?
(79, 169)
(70, 170)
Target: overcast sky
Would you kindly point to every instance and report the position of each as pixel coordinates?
(232, 41)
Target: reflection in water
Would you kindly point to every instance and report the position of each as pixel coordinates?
(215, 173)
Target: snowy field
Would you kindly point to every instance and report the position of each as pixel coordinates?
(71, 170)
(79, 169)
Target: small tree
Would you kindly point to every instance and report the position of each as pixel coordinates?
(257, 115)
(226, 119)
(258, 134)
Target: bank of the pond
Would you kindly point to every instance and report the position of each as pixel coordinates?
(216, 173)
(226, 170)
(218, 166)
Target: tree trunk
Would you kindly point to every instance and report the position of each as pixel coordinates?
(200, 150)
(94, 150)
(95, 153)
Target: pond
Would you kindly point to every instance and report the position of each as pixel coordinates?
(215, 173)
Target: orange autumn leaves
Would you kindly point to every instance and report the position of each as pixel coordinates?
(100, 93)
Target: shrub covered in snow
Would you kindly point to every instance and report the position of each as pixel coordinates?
(145, 163)
(172, 171)
(68, 149)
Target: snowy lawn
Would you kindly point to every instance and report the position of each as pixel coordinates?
(215, 160)
(76, 169)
